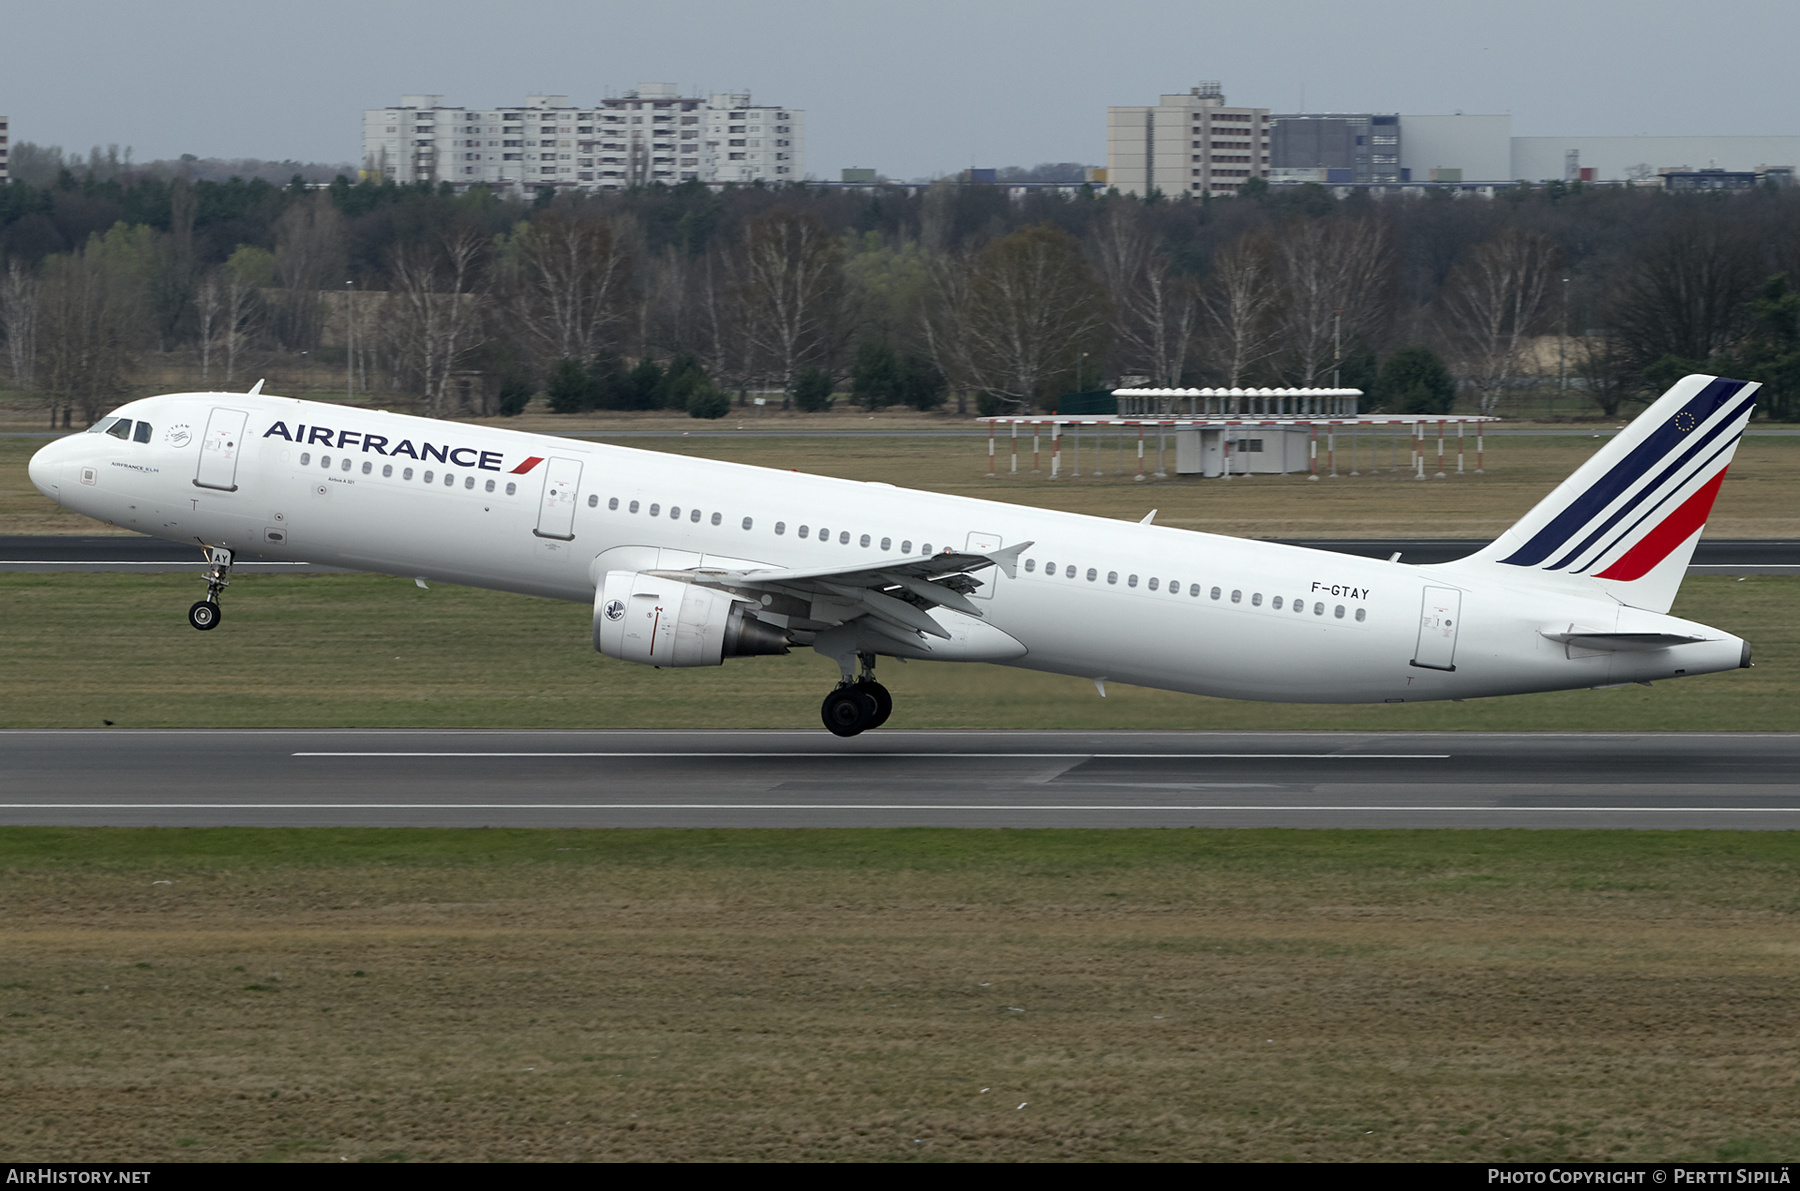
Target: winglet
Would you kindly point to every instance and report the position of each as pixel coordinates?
(1008, 559)
(1148, 518)
(256, 389)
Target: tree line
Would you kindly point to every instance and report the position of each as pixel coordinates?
(690, 298)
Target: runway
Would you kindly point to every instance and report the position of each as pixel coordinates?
(196, 778)
(140, 555)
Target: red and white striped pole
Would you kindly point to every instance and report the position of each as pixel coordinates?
(1140, 474)
(1015, 447)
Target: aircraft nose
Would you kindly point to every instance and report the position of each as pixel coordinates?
(46, 470)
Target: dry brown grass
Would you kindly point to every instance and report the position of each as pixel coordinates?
(1274, 995)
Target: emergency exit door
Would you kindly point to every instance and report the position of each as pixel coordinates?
(220, 449)
(1439, 613)
(556, 510)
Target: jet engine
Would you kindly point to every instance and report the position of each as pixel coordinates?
(657, 620)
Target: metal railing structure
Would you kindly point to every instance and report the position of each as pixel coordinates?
(1218, 420)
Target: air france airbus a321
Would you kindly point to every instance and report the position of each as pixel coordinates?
(688, 562)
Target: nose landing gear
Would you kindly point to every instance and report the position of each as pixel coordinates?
(206, 614)
(856, 705)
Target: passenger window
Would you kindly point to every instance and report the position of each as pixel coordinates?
(630, 508)
(1030, 565)
(1300, 604)
(449, 480)
(1093, 574)
(325, 462)
(468, 483)
(694, 516)
(121, 429)
(612, 504)
(1112, 576)
(347, 462)
(1256, 599)
(1237, 597)
(780, 528)
(824, 534)
(1318, 609)
(1275, 603)
(1215, 593)
(865, 541)
(387, 470)
(429, 476)
(674, 512)
(803, 531)
(716, 518)
(368, 467)
(1152, 582)
(407, 474)
(1361, 614)
(142, 433)
(1194, 591)
(1131, 581)
(1338, 612)
(906, 547)
(655, 510)
(490, 488)
(844, 538)
(593, 500)
(925, 549)
(305, 458)
(748, 523)
(886, 544)
(512, 488)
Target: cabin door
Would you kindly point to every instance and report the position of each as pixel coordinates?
(220, 449)
(1438, 617)
(556, 510)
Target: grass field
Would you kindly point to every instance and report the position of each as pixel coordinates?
(1761, 499)
(373, 651)
(319, 995)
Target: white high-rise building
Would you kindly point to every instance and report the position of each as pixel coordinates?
(1187, 144)
(649, 134)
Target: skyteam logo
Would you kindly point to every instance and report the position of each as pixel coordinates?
(1622, 524)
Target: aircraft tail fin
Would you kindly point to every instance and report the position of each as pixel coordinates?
(1629, 518)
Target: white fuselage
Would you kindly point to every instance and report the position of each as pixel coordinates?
(1129, 603)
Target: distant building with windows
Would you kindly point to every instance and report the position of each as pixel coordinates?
(5, 151)
(650, 134)
(1189, 144)
(1334, 148)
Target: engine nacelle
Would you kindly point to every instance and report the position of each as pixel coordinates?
(658, 621)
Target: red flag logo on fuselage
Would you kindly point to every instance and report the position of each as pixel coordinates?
(527, 465)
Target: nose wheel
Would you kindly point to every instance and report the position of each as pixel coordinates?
(856, 706)
(206, 614)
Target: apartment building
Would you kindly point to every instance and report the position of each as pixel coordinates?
(650, 134)
(5, 151)
(1191, 144)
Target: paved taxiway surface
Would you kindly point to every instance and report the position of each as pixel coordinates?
(1748, 556)
(959, 779)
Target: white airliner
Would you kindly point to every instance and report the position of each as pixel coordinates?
(688, 561)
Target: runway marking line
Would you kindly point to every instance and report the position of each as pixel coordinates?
(951, 756)
(861, 806)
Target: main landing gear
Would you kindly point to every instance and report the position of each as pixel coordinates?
(205, 614)
(857, 704)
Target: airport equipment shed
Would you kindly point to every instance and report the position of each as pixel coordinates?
(1221, 433)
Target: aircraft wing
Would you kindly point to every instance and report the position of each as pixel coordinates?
(896, 594)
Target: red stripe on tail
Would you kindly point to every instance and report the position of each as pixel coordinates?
(1660, 542)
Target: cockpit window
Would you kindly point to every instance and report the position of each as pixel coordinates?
(142, 434)
(103, 425)
(120, 428)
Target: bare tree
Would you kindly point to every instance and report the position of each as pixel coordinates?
(437, 317)
(1018, 315)
(788, 272)
(309, 257)
(90, 323)
(243, 319)
(209, 299)
(1241, 299)
(1688, 297)
(1496, 298)
(571, 277)
(1155, 311)
(1336, 276)
(18, 313)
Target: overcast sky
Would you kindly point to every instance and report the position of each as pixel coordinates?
(915, 88)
